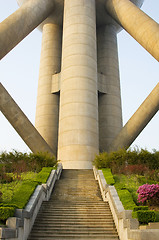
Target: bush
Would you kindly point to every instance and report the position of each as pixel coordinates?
(102, 160)
(108, 176)
(17, 162)
(22, 195)
(134, 169)
(144, 217)
(130, 162)
(148, 193)
(43, 175)
(1, 196)
(126, 199)
(6, 212)
(143, 208)
(43, 159)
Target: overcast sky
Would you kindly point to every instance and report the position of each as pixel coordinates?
(139, 74)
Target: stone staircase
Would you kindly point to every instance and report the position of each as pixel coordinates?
(75, 211)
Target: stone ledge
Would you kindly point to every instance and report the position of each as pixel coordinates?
(19, 227)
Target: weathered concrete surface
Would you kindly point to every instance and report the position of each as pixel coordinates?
(47, 108)
(19, 24)
(21, 123)
(78, 121)
(139, 25)
(109, 103)
(137, 122)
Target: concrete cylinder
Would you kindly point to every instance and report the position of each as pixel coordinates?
(139, 25)
(47, 109)
(137, 122)
(19, 24)
(109, 105)
(78, 121)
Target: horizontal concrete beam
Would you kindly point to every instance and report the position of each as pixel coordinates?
(139, 25)
(137, 122)
(21, 123)
(19, 24)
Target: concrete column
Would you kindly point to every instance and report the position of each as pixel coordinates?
(47, 109)
(21, 123)
(140, 26)
(78, 123)
(137, 122)
(109, 105)
(19, 24)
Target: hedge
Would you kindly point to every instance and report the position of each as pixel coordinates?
(108, 176)
(43, 175)
(138, 208)
(124, 195)
(126, 199)
(6, 212)
(144, 217)
(23, 194)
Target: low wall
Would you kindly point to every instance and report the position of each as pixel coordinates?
(127, 227)
(19, 227)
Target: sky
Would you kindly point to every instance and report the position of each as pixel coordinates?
(19, 69)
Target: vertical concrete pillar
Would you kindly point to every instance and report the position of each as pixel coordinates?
(109, 105)
(78, 122)
(19, 24)
(137, 122)
(47, 109)
(139, 25)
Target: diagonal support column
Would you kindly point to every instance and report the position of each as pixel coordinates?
(139, 25)
(19, 24)
(21, 123)
(137, 122)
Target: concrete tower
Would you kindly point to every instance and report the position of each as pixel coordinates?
(79, 102)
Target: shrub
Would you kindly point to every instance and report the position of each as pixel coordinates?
(17, 162)
(108, 176)
(22, 195)
(43, 159)
(126, 199)
(43, 175)
(148, 193)
(144, 217)
(6, 212)
(1, 196)
(134, 169)
(143, 208)
(131, 161)
(102, 160)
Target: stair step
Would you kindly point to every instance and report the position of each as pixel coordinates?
(66, 225)
(72, 233)
(74, 221)
(73, 236)
(75, 211)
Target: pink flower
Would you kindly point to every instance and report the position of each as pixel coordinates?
(148, 192)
